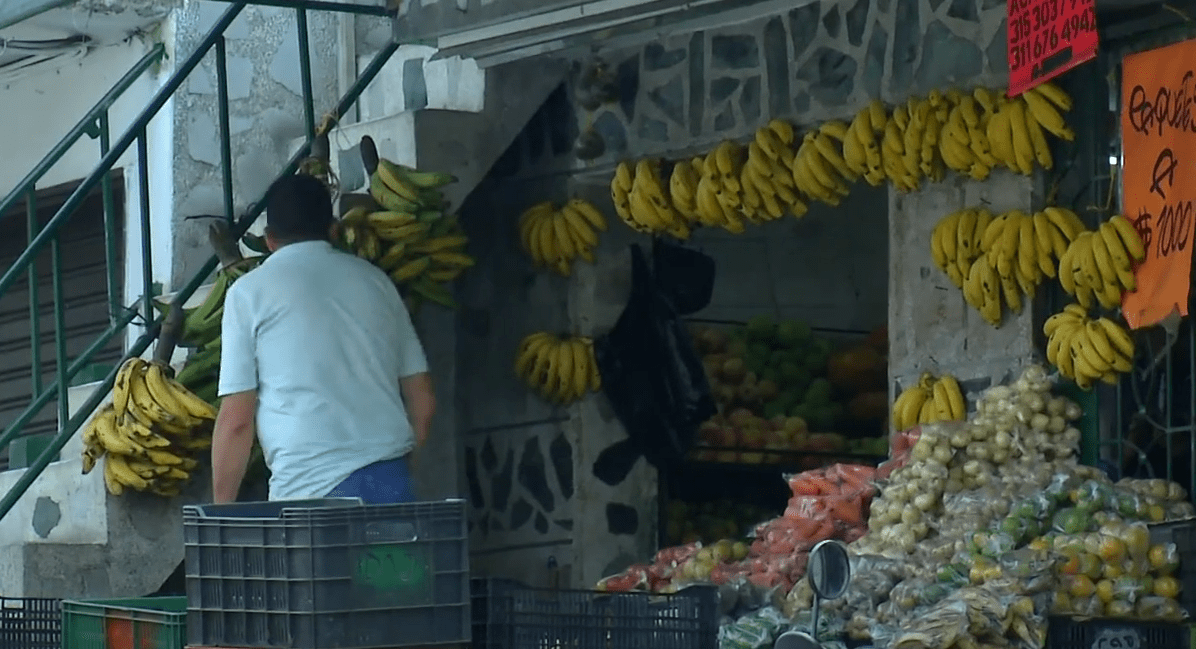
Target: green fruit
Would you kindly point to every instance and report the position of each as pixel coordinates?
(791, 333)
(762, 328)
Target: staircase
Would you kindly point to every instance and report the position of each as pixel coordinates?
(61, 534)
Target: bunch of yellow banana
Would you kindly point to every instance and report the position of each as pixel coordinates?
(861, 143)
(560, 370)
(422, 252)
(1088, 350)
(1017, 127)
(767, 181)
(555, 238)
(932, 400)
(719, 193)
(1019, 251)
(819, 169)
(1099, 264)
(910, 146)
(955, 242)
(642, 202)
(150, 432)
(963, 143)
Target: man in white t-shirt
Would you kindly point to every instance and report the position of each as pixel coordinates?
(319, 352)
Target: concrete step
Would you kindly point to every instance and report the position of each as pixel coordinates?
(68, 538)
(452, 132)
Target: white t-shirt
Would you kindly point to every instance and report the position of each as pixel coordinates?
(324, 339)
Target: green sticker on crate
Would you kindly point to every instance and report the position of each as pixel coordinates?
(392, 567)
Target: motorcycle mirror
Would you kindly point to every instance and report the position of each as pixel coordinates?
(829, 569)
(795, 640)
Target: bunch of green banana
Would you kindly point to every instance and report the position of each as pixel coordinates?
(642, 201)
(1017, 127)
(1087, 350)
(555, 238)
(201, 324)
(963, 142)
(1099, 264)
(819, 168)
(768, 185)
(560, 370)
(150, 433)
(932, 400)
(955, 242)
(861, 143)
(201, 372)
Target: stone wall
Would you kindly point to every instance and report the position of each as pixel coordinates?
(265, 105)
(932, 328)
(519, 462)
(821, 61)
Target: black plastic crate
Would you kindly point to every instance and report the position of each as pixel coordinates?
(509, 615)
(1183, 534)
(1066, 633)
(30, 623)
(327, 574)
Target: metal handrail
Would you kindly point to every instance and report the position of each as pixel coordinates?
(122, 317)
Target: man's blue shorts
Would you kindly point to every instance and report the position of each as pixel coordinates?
(381, 483)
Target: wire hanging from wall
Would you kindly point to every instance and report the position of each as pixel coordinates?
(41, 56)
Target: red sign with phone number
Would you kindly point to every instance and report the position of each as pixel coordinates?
(1047, 38)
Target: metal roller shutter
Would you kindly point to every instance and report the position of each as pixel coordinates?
(84, 282)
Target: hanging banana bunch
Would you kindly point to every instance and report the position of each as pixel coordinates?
(151, 433)
(411, 238)
(560, 370)
(555, 238)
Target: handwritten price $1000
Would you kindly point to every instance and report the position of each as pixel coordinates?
(1046, 37)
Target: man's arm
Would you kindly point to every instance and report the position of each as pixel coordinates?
(232, 443)
(420, 400)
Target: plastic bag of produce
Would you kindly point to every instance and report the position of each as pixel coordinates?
(677, 554)
(754, 631)
(1157, 488)
(652, 375)
(992, 544)
(1164, 609)
(850, 510)
(939, 627)
(633, 578)
(835, 480)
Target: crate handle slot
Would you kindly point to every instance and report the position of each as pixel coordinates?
(274, 509)
(390, 532)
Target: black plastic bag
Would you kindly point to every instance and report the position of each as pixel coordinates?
(683, 275)
(651, 373)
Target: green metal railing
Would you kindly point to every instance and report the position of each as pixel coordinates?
(48, 235)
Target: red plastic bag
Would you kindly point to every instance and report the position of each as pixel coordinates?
(834, 480)
(633, 578)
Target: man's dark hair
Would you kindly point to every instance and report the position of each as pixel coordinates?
(299, 209)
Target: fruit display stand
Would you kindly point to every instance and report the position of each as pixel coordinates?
(776, 383)
(985, 532)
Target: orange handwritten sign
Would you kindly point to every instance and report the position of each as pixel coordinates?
(1158, 131)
